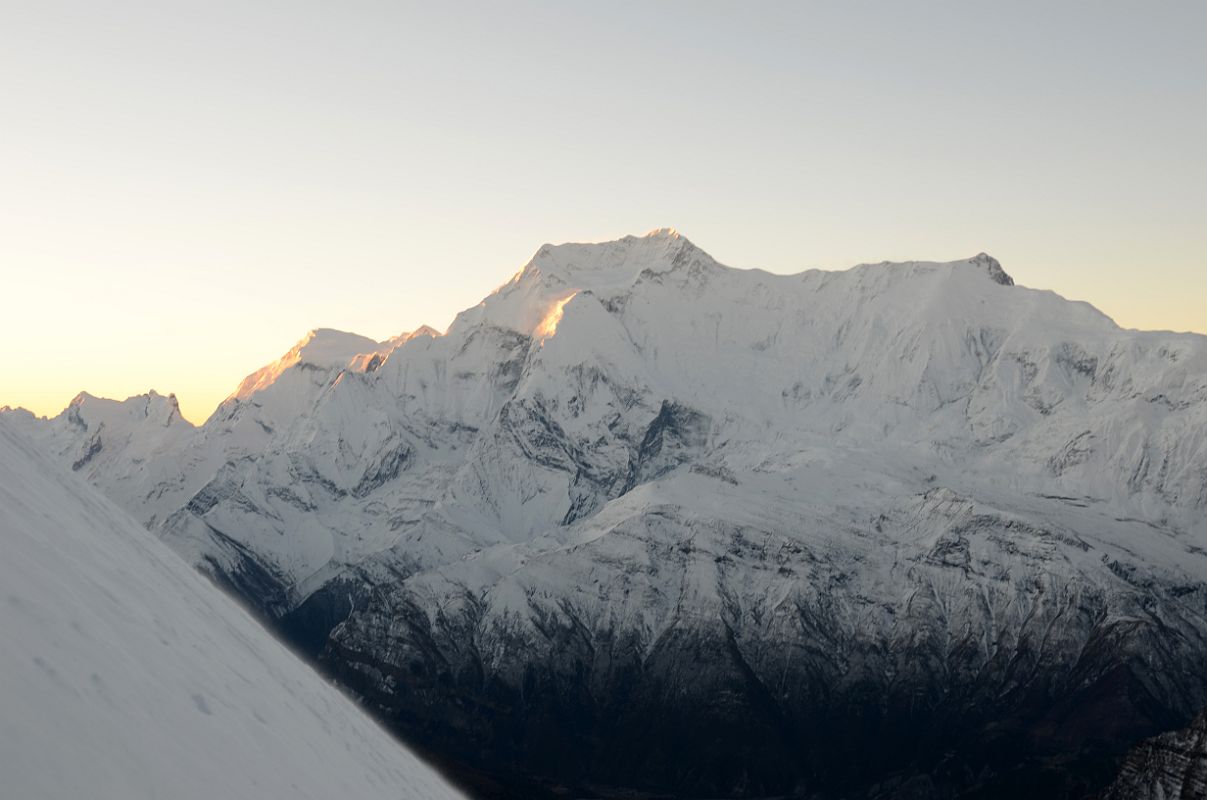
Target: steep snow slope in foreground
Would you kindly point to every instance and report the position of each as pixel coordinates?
(124, 674)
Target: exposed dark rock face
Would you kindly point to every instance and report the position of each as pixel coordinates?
(675, 436)
(696, 718)
(828, 690)
(233, 567)
(1172, 766)
(994, 267)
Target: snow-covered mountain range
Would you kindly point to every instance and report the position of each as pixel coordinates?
(125, 674)
(639, 519)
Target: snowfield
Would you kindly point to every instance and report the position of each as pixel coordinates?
(126, 675)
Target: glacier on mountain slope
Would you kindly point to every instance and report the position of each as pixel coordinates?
(125, 674)
(633, 466)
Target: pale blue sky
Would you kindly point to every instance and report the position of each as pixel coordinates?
(186, 188)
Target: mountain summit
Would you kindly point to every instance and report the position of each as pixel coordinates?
(641, 520)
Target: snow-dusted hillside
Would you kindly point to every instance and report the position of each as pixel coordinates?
(124, 674)
(640, 518)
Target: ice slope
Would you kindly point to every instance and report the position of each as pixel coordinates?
(124, 674)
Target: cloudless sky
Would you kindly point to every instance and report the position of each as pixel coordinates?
(187, 188)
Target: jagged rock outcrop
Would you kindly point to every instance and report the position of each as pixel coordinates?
(1172, 766)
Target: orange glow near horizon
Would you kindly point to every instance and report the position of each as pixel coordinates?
(148, 345)
(176, 221)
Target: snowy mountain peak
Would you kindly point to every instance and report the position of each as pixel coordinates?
(423, 330)
(25, 416)
(327, 347)
(321, 348)
(89, 412)
(993, 267)
(619, 261)
(525, 303)
(371, 361)
(406, 336)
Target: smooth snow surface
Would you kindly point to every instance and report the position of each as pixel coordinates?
(125, 674)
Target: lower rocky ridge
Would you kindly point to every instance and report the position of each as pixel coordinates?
(953, 650)
(1172, 766)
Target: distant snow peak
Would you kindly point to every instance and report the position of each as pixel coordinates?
(17, 412)
(666, 240)
(424, 330)
(371, 361)
(615, 265)
(327, 347)
(403, 338)
(87, 410)
(321, 348)
(994, 268)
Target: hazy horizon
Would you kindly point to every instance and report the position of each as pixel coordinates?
(189, 190)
